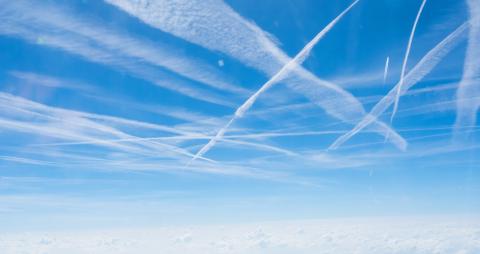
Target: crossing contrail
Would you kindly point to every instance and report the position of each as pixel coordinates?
(426, 64)
(405, 59)
(298, 59)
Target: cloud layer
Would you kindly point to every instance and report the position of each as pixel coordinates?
(372, 236)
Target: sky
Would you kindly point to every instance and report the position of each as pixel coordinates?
(172, 113)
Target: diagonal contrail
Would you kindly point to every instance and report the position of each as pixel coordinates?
(405, 59)
(426, 64)
(298, 59)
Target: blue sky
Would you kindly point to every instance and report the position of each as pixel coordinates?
(107, 108)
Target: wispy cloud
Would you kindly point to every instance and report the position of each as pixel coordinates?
(26, 116)
(37, 79)
(116, 148)
(53, 26)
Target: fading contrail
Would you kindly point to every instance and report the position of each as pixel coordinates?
(426, 64)
(298, 59)
(469, 87)
(385, 71)
(157, 62)
(405, 59)
(83, 127)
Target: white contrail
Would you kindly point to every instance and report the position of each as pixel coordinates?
(385, 71)
(469, 87)
(426, 64)
(12, 103)
(405, 59)
(234, 138)
(297, 60)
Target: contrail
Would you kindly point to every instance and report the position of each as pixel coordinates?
(298, 59)
(217, 27)
(228, 138)
(426, 64)
(385, 71)
(405, 59)
(135, 139)
(469, 87)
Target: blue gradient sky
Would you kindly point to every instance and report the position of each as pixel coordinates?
(104, 103)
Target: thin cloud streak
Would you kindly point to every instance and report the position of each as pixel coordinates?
(55, 27)
(35, 118)
(37, 79)
(92, 129)
(189, 138)
(23, 160)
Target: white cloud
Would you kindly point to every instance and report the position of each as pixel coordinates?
(441, 235)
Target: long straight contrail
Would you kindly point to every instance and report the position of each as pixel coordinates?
(405, 59)
(426, 64)
(83, 127)
(260, 146)
(298, 59)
